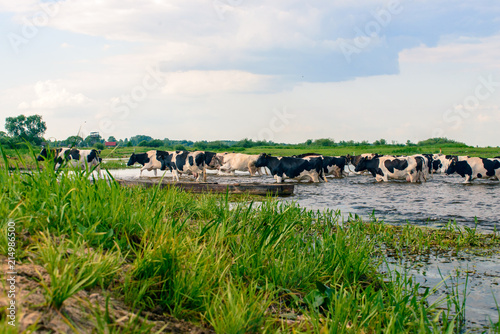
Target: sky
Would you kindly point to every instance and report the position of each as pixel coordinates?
(280, 70)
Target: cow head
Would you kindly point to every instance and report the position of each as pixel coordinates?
(262, 160)
(216, 161)
(43, 155)
(132, 160)
(348, 158)
(361, 164)
(452, 168)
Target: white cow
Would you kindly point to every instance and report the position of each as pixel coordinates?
(232, 162)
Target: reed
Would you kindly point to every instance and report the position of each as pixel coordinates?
(231, 266)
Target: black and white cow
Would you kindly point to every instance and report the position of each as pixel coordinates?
(334, 166)
(475, 168)
(386, 167)
(423, 166)
(292, 168)
(355, 159)
(212, 160)
(50, 153)
(195, 162)
(430, 161)
(148, 160)
(441, 162)
(331, 165)
(84, 159)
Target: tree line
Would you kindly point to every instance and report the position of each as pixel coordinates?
(30, 129)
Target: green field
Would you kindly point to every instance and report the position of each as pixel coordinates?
(485, 152)
(98, 257)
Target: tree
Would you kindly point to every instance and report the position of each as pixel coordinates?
(380, 142)
(324, 142)
(73, 141)
(91, 140)
(155, 143)
(112, 138)
(99, 146)
(139, 138)
(29, 128)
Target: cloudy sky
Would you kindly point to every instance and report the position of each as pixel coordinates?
(280, 70)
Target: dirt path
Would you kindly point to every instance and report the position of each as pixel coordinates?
(85, 312)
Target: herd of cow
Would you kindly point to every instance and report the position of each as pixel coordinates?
(315, 167)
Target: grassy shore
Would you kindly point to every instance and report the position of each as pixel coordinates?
(220, 265)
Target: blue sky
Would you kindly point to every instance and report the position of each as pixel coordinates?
(278, 70)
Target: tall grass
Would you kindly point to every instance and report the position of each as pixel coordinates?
(235, 267)
(72, 267)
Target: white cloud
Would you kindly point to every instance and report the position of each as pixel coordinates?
(249, 57)
(483, 52)
(209, 82)
(49, 95)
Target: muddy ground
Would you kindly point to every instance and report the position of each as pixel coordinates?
(78, 313)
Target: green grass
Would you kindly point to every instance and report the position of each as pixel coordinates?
(231, 266)
(72, 267)
(486, 152)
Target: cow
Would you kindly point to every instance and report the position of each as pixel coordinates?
(231, 162)
(475, 168)
(423, 166)
(51, 152)
(212, 160)
(293, 168)
(430, 160)
(331, 165)
(385, 167)
(355, 159)
(148, 160)
(441, 162)
(190, 162)
(85, 159)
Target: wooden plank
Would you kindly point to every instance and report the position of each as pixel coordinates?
(203, 187)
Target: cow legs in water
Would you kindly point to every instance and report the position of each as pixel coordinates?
(324, 176)
(252, 170)
(204, 174)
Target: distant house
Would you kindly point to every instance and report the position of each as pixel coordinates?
(110, 143)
